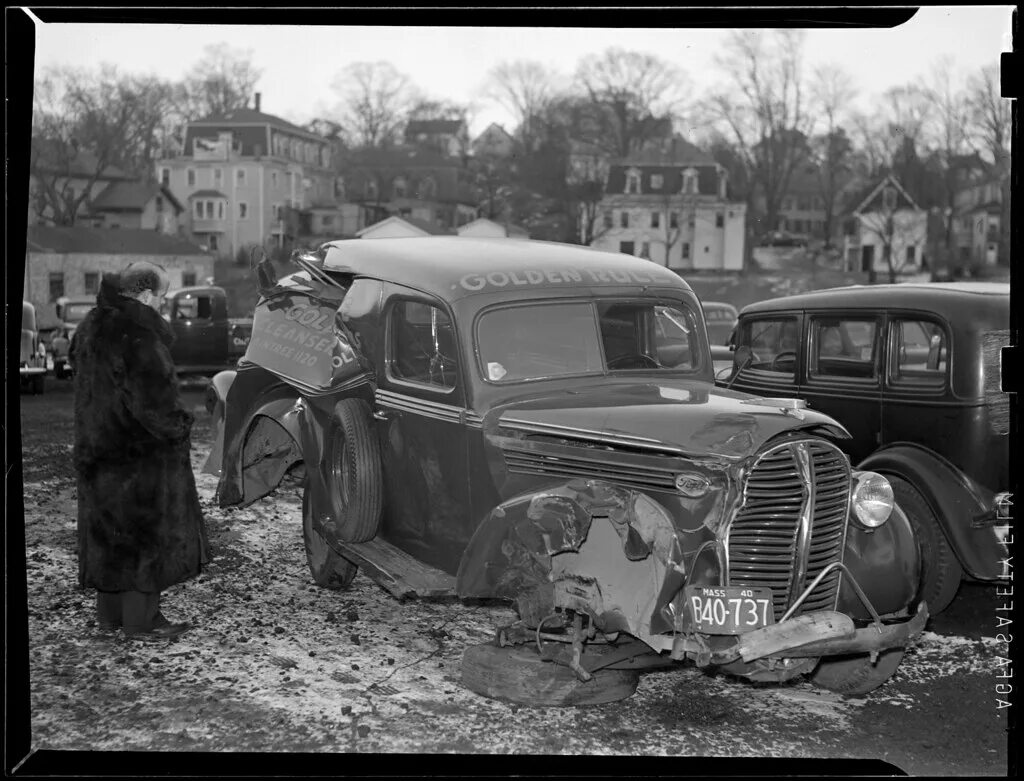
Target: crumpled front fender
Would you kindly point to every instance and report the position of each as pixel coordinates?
(588, 545)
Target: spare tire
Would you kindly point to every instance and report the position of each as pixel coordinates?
(353, 472)
(518, 674)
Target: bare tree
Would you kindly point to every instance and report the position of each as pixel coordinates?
(990, 119)
(84, 122)
(636, 97)
(766, 110)
(524, 88)
(223, 80)
(948, 130)
(671, 228)
(374, 102)
(832, 90)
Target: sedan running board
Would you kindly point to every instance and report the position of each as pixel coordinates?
(396, 571)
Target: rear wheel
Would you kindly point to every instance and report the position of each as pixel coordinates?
(518, 674)
(354, 480)
(329, 569)
(940, 571)
(855, 676)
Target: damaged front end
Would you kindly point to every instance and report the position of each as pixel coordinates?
(775, 574)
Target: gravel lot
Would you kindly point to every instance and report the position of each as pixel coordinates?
(276, 664)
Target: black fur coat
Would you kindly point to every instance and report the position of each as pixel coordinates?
(140, 527)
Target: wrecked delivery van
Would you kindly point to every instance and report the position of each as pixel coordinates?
(538, 423)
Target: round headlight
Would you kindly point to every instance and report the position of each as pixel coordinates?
(872, 499)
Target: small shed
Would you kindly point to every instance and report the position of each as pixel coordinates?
(484, 228)
(395, 227)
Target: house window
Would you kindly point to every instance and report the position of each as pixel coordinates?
(690, 182)
(645, 250)
(655, 219)
(428, 188)
(657, 181)
(609, 219)
(632, 182)
(220, 210)
(673, 219)
(213, 246)
(159, 203)
(243, 210)
(719, 220)
(328, 221)
(624, 220)
(273, 178)
(188, 278)
(218, 177)
(686, 250)
(889, 198)
(370, 189)
(626, 247)
(197, 210)
(400, 188)
(165, 177)
(190, 177)
(92, 283)
(240, 177)
(56, 285)
(911, 253)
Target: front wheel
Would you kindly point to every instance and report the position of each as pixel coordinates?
(940, 571)
(328, 568)
(855, 676)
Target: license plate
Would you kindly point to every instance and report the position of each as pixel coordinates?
(728, 610)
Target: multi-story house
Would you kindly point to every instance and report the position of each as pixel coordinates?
(885, 230)
(410, 182)
(248, 178)
(448, 137)
(977, 217)
(671, 204)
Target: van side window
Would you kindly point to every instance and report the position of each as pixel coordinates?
(843, 347)
(423, 345)
(920, 353)
(773, 342)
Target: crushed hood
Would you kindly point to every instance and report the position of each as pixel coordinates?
(689, 418)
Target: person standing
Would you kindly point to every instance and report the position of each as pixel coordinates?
(59, 347)
(140, 526)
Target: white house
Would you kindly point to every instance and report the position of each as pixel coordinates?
(884, 227)
(401, 228)
(489, 229)
(671, 205)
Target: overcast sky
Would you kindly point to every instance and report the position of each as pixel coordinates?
(298, 64)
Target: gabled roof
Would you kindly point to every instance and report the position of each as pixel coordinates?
(131, 196)
(492, 128)
(865, 198)
(98, 241)
(250, 116)
(428, 229)
(511, 229)
(432, 127)
(82, 165)
(207, 194)
(676, 151)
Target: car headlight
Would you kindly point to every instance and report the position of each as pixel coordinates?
(872, 500)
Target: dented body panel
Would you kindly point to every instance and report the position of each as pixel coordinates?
(599, 492)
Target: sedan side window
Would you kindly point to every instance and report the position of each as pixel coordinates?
(920, 353)
(773, 344)
(423, 345)
(843, 347)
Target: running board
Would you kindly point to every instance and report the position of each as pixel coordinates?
(396, 571)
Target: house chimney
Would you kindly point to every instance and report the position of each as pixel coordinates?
(257, 101)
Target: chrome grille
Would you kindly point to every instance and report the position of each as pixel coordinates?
(792, 523)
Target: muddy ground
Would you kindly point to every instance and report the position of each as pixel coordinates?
(275, 664)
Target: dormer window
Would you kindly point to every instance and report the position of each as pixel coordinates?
(632, 182)
(371, 188)
(690, 181)
(428, 188)
(399, 188)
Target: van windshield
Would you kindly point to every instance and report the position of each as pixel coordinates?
(542, 340)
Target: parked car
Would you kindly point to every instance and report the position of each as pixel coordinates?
(721, 319)
(71, 310)
(782, 239)
(206, 340)
(538, 423)
(912, 372)
(32, 357)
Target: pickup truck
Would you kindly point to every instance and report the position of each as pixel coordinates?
(206, 339)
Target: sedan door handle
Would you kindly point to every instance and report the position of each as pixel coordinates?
(379, 414)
